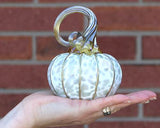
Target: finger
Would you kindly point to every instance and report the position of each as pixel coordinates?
(134, 98)
(98, 104)
(141, 96)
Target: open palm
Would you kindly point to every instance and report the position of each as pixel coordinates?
(43, 109)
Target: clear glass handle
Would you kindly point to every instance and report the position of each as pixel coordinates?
(89, 35)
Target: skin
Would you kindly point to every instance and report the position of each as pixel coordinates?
(43, 109)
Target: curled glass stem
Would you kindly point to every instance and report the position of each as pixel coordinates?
(86, 40)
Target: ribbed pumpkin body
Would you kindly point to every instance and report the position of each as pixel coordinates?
(82, 76)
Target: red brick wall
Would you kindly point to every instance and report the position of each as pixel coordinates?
(128, 29)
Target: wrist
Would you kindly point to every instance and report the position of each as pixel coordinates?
(16, 118)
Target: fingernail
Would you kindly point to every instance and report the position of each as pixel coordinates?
(153, 98)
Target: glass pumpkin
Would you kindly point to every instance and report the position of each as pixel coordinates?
(84, 72)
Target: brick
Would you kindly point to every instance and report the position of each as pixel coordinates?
(36, 19)
(15, 48)
(128, 18)
(152, 109)
(125, 125)
(131, 111)
(48, 48)
(121, 47)
(23, 76)
(15, 1)
(49, 1)
(151, 47)
(140, 76)
(8, 101)
(110, 18)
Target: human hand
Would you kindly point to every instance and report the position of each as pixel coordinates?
(43, 109)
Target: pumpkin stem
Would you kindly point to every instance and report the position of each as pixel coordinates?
(79, 45)
(82, 43)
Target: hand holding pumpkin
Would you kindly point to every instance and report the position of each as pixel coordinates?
(43, 109)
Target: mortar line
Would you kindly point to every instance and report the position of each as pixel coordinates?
(139, 48)
(140, 1)
(27, 33)
(35, 1)
(23, 62)
(85, 126)
(100, 33)
(34, 48)
(142, 62)
(28, 91)
(128, 33)
(45, 62)
(86, 4)
(128, 90)
(132, 119)
(20, 91)
(140, 111)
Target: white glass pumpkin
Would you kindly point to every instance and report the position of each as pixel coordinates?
(84, 72)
